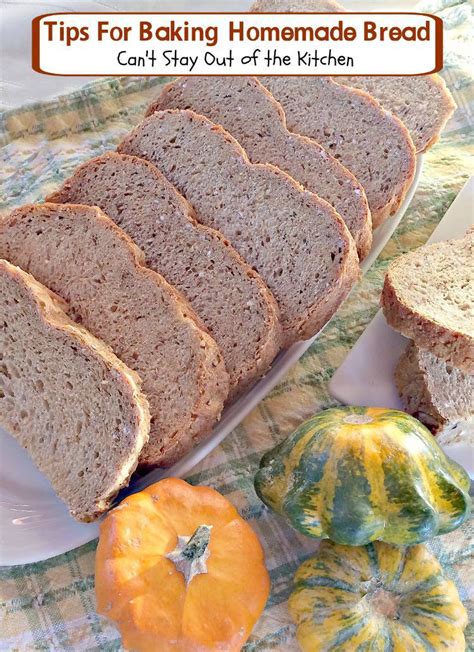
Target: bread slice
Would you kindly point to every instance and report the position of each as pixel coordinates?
(423, 103)
(432, 390)
(295, 241)
(233, 302)
(292, 6)
(428, 296)
(248, 111)
(66, 398)
(80, 254)
(372, 143)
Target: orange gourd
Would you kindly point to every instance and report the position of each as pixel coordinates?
(178, 569)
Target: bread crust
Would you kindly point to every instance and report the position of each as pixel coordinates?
(447, 336)
(449, 107)
(423, 138)
(310, 323)
(270, 339)
(452, 346)
(50, 310)
(433, 391)
(179, 94)
(397, 100)
(443, 104)
(382, 205)
(213, 383)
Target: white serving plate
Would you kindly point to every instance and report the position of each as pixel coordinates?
(35, 525)
(366, 377)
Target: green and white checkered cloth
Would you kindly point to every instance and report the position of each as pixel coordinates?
(51, 605)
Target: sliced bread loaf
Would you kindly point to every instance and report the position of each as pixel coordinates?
(432, 390)
(428, 296)
(295, 241)
(80, 254)
(372, 143)
(230, 298)
(248, 111)
(423, 103)
(66, 398)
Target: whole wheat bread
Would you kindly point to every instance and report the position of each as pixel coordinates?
(295, 241)
(372, 143)
(248, 111)
(428, 296)
(432, 390)
(80, 254)
(422, 102)
(66, 398)
(230, 298)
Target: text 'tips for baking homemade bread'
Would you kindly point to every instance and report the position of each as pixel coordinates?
(296, 241)
(80, 254)
(233, 302)
(66, 398)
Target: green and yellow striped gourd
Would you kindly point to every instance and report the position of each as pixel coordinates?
(356, 475)
(377, 597)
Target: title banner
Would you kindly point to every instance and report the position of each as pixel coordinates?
(237, 44)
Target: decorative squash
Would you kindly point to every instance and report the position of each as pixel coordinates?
(377, 597)
(356, 475)
(178, 569)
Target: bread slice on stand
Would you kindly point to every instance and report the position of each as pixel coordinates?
(428, 296)
(432, 390)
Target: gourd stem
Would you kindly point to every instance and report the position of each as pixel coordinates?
(191, 553)
(198, 543)
(358, 419)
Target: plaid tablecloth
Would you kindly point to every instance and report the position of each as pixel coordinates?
(51, 605)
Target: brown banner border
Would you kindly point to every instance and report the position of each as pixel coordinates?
(35, 40)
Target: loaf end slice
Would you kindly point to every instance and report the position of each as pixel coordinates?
(66, 398)
(79, 253)
(428, 296)
(231, 299)
(432, 390)
(249, 112)
(296, 241)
